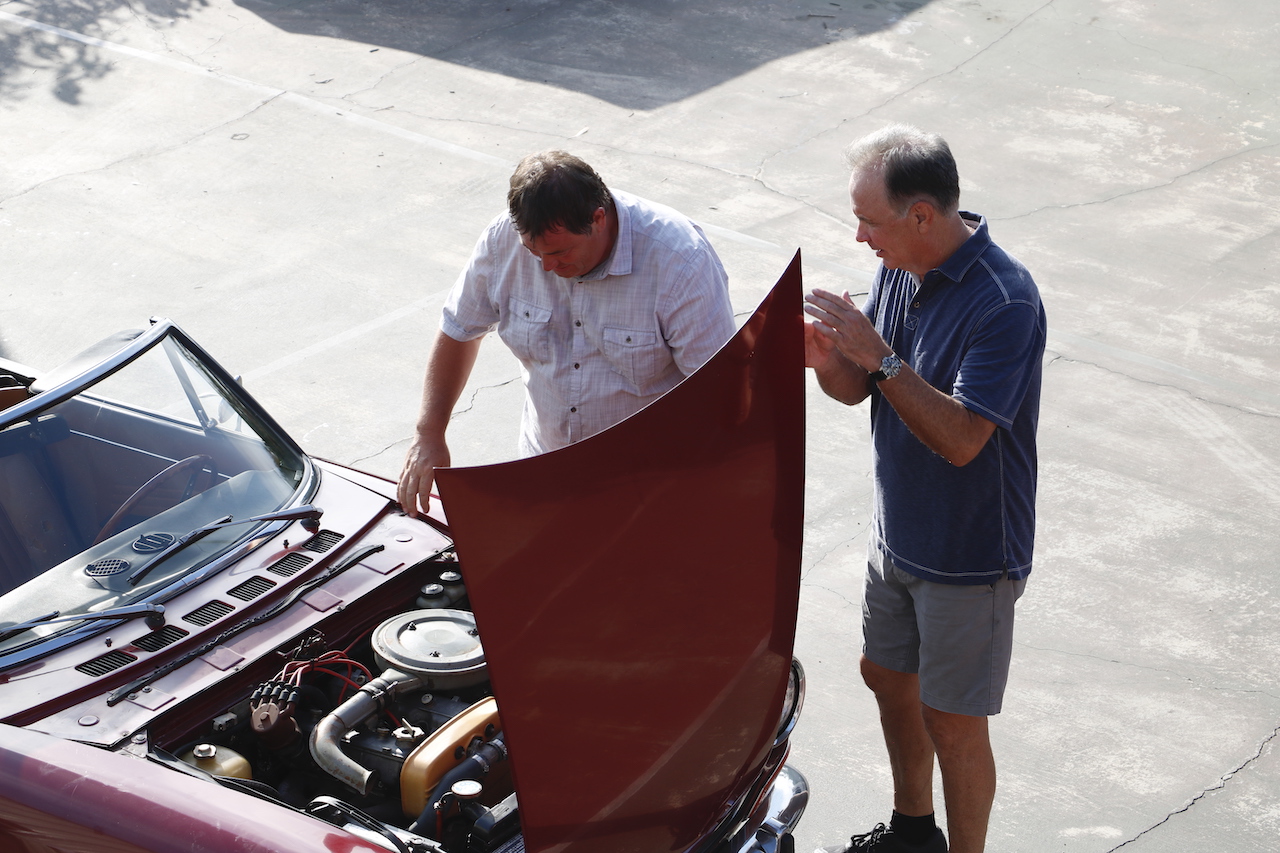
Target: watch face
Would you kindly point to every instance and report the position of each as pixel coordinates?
(891, 366)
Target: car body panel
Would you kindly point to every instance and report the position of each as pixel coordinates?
(59, 796)
(637, 595)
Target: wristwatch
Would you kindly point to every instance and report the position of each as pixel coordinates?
(890, 367)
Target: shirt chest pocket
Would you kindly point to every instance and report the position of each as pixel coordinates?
(638, 354)
(527, 331)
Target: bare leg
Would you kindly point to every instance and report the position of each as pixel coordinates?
(910, 748)
(963, 746)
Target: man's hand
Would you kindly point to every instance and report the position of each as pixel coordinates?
(420, 464)
(448, 367)
(846, 329)
(818, 348)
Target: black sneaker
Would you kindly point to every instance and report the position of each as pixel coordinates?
(882, 839)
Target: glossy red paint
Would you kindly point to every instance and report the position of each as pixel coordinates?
(643, 584)
(58, 796)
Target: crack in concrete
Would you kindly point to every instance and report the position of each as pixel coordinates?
(1241, 408)
(149, 22)
(837, 594)
(1204, 167)
(355, 462)
(1093, 24)
(1221, 784)
(349, 96)
(142, 155)
(497, 29)
(759, 172)
(471, 403)
(822, 558)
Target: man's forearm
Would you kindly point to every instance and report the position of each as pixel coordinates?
(939, 420)
(841, 379)
(448, 368)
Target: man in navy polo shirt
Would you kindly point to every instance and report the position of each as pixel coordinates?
(949, 348)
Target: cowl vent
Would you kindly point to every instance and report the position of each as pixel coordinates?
(251, 589)
(290, 564)
(209, 613)
(100, 666)
(323, 541)
(157, 640)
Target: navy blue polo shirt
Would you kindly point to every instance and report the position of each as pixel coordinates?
(975, 329)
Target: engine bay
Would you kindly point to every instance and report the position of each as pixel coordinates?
(395, 737)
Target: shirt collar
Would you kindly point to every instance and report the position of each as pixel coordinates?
(957, 266)
(619, 260)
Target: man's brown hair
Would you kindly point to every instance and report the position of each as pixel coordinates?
(553, 189)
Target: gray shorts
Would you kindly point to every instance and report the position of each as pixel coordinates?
(959, 638)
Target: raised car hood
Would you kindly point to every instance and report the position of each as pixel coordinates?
(636, 594)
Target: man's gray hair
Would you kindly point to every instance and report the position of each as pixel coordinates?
(916, 166)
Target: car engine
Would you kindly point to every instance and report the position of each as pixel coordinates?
(395, 737)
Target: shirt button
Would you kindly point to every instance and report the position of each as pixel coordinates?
(577, 322)
(915, 304)
(575, 365)
(573, 408)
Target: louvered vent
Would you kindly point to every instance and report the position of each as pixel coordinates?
(290, 565)
(100, 666)
(105, 568)
(157, 640)
(251, 589)
(210, 613)
(323, 541)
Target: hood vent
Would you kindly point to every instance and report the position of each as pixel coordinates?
(100, 666)
(157, 640)
(251, 589)
(209, 613)
(290, 565)
(323, 541)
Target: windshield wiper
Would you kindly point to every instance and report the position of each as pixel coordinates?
(309, 514)
(154, 614)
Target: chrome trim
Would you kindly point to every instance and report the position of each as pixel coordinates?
(791, 715)
(68, 389)
(775, 817)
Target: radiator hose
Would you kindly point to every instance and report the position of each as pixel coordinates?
(474, 767)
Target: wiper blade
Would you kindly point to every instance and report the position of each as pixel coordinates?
(308, 513)
(154, 614)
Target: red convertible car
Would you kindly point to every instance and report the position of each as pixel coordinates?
(210, 641)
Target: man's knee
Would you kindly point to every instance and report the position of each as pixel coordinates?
(885, 682)
(953, 733)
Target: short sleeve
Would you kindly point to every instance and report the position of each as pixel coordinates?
(1001, 360)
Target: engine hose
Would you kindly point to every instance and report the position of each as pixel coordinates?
(475, 767)
(325, 742)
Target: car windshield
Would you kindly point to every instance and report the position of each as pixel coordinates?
(94, 485)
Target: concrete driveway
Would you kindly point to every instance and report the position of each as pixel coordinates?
(298, 184)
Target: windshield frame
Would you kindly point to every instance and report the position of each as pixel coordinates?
(131, 347)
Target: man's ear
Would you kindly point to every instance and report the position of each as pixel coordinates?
(922, 215)
(599, 218)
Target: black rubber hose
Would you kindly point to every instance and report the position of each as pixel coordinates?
(475, 766)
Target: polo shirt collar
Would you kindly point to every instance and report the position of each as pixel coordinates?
(957, 266)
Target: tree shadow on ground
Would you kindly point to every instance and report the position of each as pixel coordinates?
(27, 49)
(637, 54)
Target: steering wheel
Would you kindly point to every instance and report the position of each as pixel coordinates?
(198, 462)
